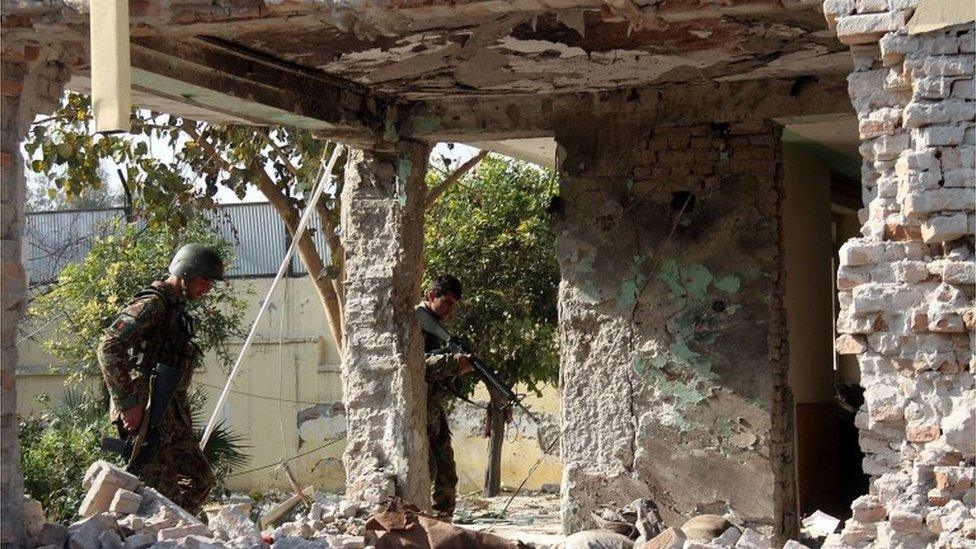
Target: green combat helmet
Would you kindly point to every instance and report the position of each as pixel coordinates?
(197, 260)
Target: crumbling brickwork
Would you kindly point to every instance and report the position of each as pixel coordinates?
(672, 332)
(31, 84)
(382, 363)
(906, 286)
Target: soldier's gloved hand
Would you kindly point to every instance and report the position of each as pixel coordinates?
(464, 364)
(132, 417)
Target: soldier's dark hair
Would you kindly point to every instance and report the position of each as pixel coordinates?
(444, 284)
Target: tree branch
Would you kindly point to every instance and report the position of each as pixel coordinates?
(456, 175)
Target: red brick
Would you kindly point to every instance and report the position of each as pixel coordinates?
(10, 88)
(923, 433)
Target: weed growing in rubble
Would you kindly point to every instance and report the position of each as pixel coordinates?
(57, 448)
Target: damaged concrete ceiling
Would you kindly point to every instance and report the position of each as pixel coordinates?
(576, 50)
(501, 69)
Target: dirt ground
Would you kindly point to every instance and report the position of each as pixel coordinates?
(531, 518)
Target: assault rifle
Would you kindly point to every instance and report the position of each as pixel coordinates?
(452, 344)
(140, 446)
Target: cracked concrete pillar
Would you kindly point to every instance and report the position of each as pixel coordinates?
(31, 84)
(673, 371)
(382, 363)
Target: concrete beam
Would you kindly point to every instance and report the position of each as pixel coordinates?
(528, 116)
(210, 74)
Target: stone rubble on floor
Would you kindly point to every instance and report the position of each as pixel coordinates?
(641, 520)
(120, 512)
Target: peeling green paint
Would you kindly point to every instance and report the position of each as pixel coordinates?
(404, 170)
(628, 294)
(585, 264)
(681, 368)
(696, 279)
(591, 293)
(729, 284)
(390, 132)
(426, 123)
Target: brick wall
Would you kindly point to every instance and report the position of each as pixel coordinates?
(31, 83)
(673, 337)
(906, 287)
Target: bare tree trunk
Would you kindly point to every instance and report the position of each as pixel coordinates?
(307, 251)
(496, 438)
(309, 255)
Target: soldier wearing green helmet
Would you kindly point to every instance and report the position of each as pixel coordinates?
(154, 329)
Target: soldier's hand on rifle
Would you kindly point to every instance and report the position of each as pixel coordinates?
(507, 414)
(464, 364)
(132, 417)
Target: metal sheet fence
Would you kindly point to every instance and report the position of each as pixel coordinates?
(54, 239)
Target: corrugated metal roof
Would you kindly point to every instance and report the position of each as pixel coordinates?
(54, 239)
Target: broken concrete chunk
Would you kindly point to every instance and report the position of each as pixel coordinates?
(751, 539)
(315, 511)
(691, 544)
(177, 532)
(32, 515)
(121, 477)
(125, 502)
(200, 542)
(52, 533)
(729, 537)
(348, 509)
(139, 541)
(234, 522)
(110, 539)
(793, 544)
(161, 510)
(672, 538)
(134, 523)
(103, 488)
(289, 542)
(84, 533)
(597, 539)
(705, 527)
(353, 542)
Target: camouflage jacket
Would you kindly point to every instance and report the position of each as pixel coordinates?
(441, 373)
(152, 328)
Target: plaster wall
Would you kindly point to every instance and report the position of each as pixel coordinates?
(673, 359)
(807, 244)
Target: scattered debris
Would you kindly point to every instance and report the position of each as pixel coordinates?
(820, 524)
(120, 512)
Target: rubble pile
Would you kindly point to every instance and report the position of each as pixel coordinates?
(639, 526)
(120, 512)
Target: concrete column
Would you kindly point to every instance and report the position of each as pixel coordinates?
(673, 364)
(30, 85)
(382, 363)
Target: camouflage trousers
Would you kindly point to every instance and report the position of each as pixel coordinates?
(443, 470)
(179, 470)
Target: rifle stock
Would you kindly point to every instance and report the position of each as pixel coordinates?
(430, 324)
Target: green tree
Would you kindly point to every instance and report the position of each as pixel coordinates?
(90, 294)
(492, 232)
(170, 189)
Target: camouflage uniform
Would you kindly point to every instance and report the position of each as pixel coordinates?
(441, 373)
(154, 328)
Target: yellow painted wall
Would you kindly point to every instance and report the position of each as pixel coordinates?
(292, 358)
